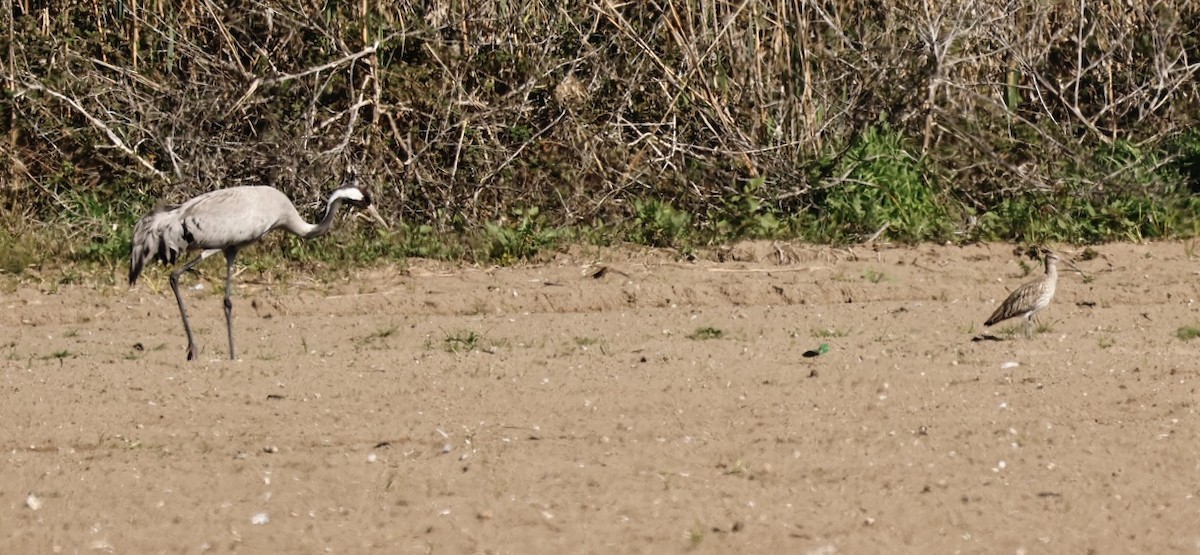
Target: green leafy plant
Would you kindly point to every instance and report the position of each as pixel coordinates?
(105, 217)
(1187, 333)
(829, 332)
(873, 276)
(518, 239)
(17, 252)
(881, 185)
(377, 336)
(706, 332)
(461, 341)
(746, 215)
(659, 224)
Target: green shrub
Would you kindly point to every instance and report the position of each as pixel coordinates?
(880, 181)
(659, 224)
(519, 239)
(746, 215)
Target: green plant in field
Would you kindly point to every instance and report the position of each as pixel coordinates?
(1119, 192)
(106, 214)
(378, 335)
(695, 536)
(745, 215)
(519, 133)
(585, 341)
(738, 468)
(59, 355)
(350, 246)
(1187, 333)
(461, 341)
(706, 332)
(383, 333)
(1071, 217)
(881, 182)
(1185, 151)
(17, 252)
(341, 248)
(873, 276)
(111, 244)
(521, 239)
(423, 241)
(659, 224)
(828, 332)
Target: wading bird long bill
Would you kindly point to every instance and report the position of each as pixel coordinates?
(225, 221)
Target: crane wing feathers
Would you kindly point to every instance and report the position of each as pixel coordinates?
(234, 216)
(159, 236)
(217, 220)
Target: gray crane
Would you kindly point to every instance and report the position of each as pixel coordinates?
(226, 220)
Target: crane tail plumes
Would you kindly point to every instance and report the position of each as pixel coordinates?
(159, 235)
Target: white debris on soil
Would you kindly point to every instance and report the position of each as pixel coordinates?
(827, 549)
(260, 518)
(33, 502)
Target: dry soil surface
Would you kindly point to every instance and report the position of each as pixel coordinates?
(612, 401)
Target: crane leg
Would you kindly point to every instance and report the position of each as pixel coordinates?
(230, 255)
(187, 328)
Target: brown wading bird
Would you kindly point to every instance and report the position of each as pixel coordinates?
(226, 220)
(1030, 298)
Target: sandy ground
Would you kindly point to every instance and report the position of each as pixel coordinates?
(659, 406)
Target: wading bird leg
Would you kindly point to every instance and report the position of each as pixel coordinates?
(187, 328)
(230, 255)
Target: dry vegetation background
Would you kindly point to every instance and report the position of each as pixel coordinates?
(738, 114)
(458, 406)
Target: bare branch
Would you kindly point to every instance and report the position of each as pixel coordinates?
(100, 125)
(369, 50)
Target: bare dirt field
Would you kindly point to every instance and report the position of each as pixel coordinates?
(657, 406)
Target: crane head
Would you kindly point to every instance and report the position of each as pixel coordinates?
(361, 199)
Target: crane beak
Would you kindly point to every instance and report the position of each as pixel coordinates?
(375, 214)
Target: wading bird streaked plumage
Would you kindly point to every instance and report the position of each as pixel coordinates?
(226, 220)
(1030, 298)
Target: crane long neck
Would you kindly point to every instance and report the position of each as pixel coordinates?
(326, 222)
